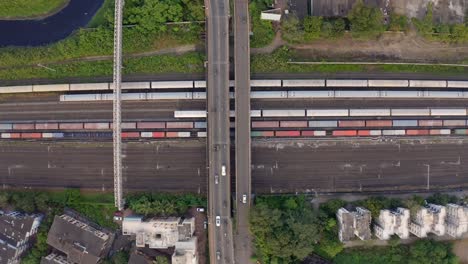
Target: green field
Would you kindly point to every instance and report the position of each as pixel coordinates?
(11, 9)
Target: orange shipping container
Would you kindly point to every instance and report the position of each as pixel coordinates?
(344, 133)
(379, 123)
(352, 123)
(430, 122)
(364, 133)
(417, 132)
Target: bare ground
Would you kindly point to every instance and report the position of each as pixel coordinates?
(460, 249)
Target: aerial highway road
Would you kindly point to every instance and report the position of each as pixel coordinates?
(219, 187)
(243, 143)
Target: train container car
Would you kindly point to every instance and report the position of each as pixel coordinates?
(283, 113)
(327, 112)
(457, 84)
(190, 114)
(427, 84)
(130, 134)
(183, 134)
(47, 126)
(320, 133)
(6, 126)
(146, 134)
(461, 131)
(256, 134)
(179, 124)
(442, 94)
(411, 112)
(255, 113)
(304, 83)
(344, 133)
(288, 133)
(433, 123)
(23, 126)
(172, 85)
(363, 133)
(88, 135)
(268, 94)
(454, 123)
(125, 125)
(52, 135)
(199, 84)
(398, 132)
(80, 97)
(199, 95)
(11, 135)
(158, 134)
(172, 134)
(323, 123)
(31, 135)
(401, 94)
(448, 112)
(16, 89)
(146, 125)
(265, 124)
(308, 133)
(440, 132)
(417, 132)
(5, 135)
(405, 123)
(126, 96)
(357, 94)
(346, 83)
(311, 94)
(293, 124)
(388, 83)
(71, 126)
(133, 85)
(265, 83)
(375, 132)
(200, 125)
(378, 123)
(201, 134)
(96, 126)
(351, 123)
(370, 112)
(89, 86)
(51, 88)
(169, 96)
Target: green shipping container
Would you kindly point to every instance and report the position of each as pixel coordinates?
(460, 132)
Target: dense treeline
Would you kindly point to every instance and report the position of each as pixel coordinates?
(163, 204)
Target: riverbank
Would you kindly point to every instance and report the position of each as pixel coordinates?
(30, 9)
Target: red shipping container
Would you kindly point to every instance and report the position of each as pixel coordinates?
(430, 122)
(15, 135)
(151, 125)
(308, 133)
(179, 124)
(417, 132)
(454, 122)
(31, 135)
(96, 126)
(352, 123)
(288, 133)
(71, 125)
(364, 132)
(268, 133)
(344, 133)
(130, 134)
(125, 125)
(172, 134)
(434, 132)
(293, 124)
(379, 123)
(23, 126)
(262, 124)
(159, 134)
(46, 126)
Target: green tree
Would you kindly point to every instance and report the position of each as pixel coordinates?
(442, 199)
(339, 27)
(365, 21)
(398, 22)
(290, 28)
(4, 199)
(313, 27)
(161, 260)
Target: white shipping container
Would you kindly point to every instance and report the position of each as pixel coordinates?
(268, 94)
(427, 84)
(255, 113)
(89, 86)
(133, 85)
(346, 83)
(190, 114)
(169, 96)
(183, 134)
(80, 97)
(388, 83)
(327, 112)
(445, 131)
(146, 134)
(369, 112)
(357, 94)
(200, 84)
(311, 94)
(199, 95)
(303, 83)
(457, 84)
(448, 111)
(172, 85)
(401, 94)
(411, 112)
(375, 132)
(51, 87)
(16, 89)
(441, 94)
(201, 134)
(283, 113)
(320, 133)
(265, 83)
(6, 135)
(394, 132)
(47, 135)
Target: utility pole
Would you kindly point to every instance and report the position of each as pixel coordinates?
(117, 139)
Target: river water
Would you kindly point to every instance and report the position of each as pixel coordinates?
(51, 29)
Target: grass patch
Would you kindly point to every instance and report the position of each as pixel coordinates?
(12, 9)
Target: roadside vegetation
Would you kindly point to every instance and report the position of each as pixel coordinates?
(263, 31)
(24, 9)
(286, 229)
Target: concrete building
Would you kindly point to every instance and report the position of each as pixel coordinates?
(54, 258)
(78, 239)
(392, 222)
(457, 220)
(429, 219)
(355, 223)
(16, 232)
(167, 232)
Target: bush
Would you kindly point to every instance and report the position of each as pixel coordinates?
(313, 27)
(291, 29)
(366, 21)
(263, 33)
(398, 22)
(162, 204)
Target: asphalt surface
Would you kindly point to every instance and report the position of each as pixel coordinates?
(219, 197)
(242, 243)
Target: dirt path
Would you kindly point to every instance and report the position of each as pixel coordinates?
(277, 42)
(460, 249)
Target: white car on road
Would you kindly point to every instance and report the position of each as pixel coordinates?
(218, 220)
(244, 198)
(223, 170)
